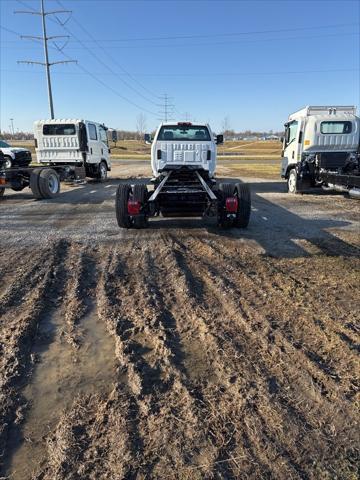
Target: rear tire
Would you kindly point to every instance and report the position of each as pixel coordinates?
(34, 182)
(49, 183)
(227, 190)
(140, 194)
(244, 205)
(121, 205)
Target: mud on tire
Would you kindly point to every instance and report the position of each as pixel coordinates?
(121, 205)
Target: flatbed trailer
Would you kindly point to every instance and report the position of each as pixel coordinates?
(44, 181)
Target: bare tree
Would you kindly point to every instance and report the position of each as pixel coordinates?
(141, 124)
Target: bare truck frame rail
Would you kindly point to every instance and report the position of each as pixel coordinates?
(184, 192)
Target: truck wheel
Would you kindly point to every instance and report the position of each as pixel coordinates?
(244, 206)
(140, 195)
(34, 183)
(2, 191)
(292, 182)
(102, 172)
(49, 183)
(121, 205)
(8, 162)
(226, 190)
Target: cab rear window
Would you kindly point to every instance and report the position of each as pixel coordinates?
(59, 129)
(336, 127)
(187, 133)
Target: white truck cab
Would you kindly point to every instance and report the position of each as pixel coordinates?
(320, 140)
(73, 142)
(183, 144)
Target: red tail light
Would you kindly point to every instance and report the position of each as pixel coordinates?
(133, 207)
(231, 204)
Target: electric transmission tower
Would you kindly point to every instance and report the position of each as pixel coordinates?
(47, 64)
(167, 108)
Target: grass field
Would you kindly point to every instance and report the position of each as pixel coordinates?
(249, 159)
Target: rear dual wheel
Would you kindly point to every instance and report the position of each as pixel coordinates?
(125, 193)
(242, 216)
(44, 183)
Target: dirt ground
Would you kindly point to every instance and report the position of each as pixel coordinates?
(179, 351)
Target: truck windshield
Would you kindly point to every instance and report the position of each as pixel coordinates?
(4, 144)
(335, 127)
(186, 133)
(59, 129)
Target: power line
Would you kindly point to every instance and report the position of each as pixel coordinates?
(87, 72)
(231, 42)
(115, 61)
(47, 64)
(213, 35)
(168, 108)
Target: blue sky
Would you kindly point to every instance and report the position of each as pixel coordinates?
(252, 61)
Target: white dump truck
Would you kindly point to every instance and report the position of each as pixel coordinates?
(183, 160)
(321, 148)
(66, 149)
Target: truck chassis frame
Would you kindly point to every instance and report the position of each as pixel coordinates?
(183, 192)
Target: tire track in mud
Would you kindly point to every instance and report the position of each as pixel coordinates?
(233, 349)
(62, 372)
(151, 355)
(300, 335)
(19, 325)
(215, 280)
(209, 382)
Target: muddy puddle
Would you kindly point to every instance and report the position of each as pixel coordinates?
(60, 374)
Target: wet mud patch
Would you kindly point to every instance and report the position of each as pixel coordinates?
(60, 375)
(193, 359)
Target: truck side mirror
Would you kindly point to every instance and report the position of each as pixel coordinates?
(219, 139)
(282, 139)
(147, 138)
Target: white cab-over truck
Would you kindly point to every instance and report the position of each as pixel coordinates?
(66, 149)
(183, 161)
(321, 148)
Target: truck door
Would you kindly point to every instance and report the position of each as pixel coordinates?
(94, 143)
(104, 144)
(291, 146)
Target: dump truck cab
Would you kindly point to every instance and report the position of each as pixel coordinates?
(184, 144)
(321, 142)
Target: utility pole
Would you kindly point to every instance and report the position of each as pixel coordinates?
(45, 40)
(12, 125)
(167, 108)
